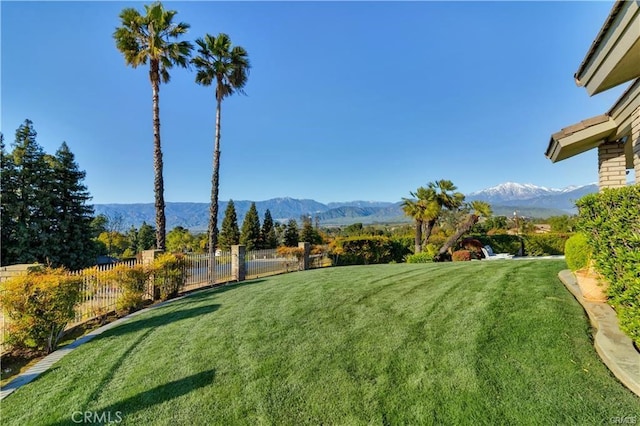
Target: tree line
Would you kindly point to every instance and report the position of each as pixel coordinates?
(44, 211)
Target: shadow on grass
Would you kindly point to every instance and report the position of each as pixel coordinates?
(120, 410)
(162, 316)
(176, 311)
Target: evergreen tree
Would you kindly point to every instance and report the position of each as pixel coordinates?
(8, 205)
(250, 235)
(291, 234)
(146, 237)
(71, 243)
(99, 225)
(309, 234)
(44, 213)
(34, 202)
(268, 238)
(229, 234)
(132, 239)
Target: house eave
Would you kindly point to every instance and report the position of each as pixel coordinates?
(580, 137)
(613, 56)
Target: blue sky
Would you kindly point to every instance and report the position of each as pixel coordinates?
(346, 100)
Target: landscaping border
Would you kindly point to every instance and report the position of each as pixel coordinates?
(614, 347)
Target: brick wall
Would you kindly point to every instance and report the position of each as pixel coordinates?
(635, 139)
(612, 172)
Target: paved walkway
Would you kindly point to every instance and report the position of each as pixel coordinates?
(614, 347)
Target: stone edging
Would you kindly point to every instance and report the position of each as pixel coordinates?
(614, 347)
(46, 363)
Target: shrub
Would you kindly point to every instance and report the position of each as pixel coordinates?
(611, 221)
(544, 244)
(461, 256)
(577, 251)
(39, 304)
(290, 252)
(132, 281)
(367, 250)
(423, 257)
(169, 274)
(501, 243)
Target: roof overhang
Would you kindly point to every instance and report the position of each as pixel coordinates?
(580, 137)
(614, 55)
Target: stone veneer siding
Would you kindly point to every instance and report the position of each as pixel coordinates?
(612, 171)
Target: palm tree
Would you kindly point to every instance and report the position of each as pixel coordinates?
(227, 66)
(441, 193)
(148, 38)
(477, 209)
(422, 208)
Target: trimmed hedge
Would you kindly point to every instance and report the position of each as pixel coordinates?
(611, 221)
(577, 251)
(367, 250)
(534, 244)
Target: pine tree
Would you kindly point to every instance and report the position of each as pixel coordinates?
(250, 235)
(8, 206)
(146, 237)
(34, 202)
(229, 234)
(268, 238)
(291, 237)
(71, 243)
(309, 234)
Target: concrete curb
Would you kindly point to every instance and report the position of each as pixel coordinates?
(45, 363)
(614, 347)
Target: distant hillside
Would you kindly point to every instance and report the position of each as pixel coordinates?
(528, 200)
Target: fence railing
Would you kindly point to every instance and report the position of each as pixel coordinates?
(100, 290)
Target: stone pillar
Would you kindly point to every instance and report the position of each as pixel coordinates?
(147, 257)
(304, 262)
(238, 265)
(635, 140)
(612, 166)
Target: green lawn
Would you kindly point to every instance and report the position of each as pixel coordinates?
(460, 343)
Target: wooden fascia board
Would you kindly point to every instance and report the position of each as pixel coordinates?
(562, 147)
(616, 42)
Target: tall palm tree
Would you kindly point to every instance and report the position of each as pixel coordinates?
(227, 66)
(477, 209)
(150, 38)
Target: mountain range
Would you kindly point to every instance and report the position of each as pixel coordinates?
(526, 199)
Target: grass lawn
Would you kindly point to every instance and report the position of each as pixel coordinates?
(461, 343)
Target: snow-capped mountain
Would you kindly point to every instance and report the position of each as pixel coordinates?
(533, 196)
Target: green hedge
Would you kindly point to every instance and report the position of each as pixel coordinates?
(367, 250)
(577, 251)
(611, 221)
(534, 244)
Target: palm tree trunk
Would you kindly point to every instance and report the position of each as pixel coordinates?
(213, 208)
(466, 227)
(418, 240)
(158, 182)
(428, 229)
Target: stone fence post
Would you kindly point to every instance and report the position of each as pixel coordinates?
(238, 265)
(147, 258)
(305, 259)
